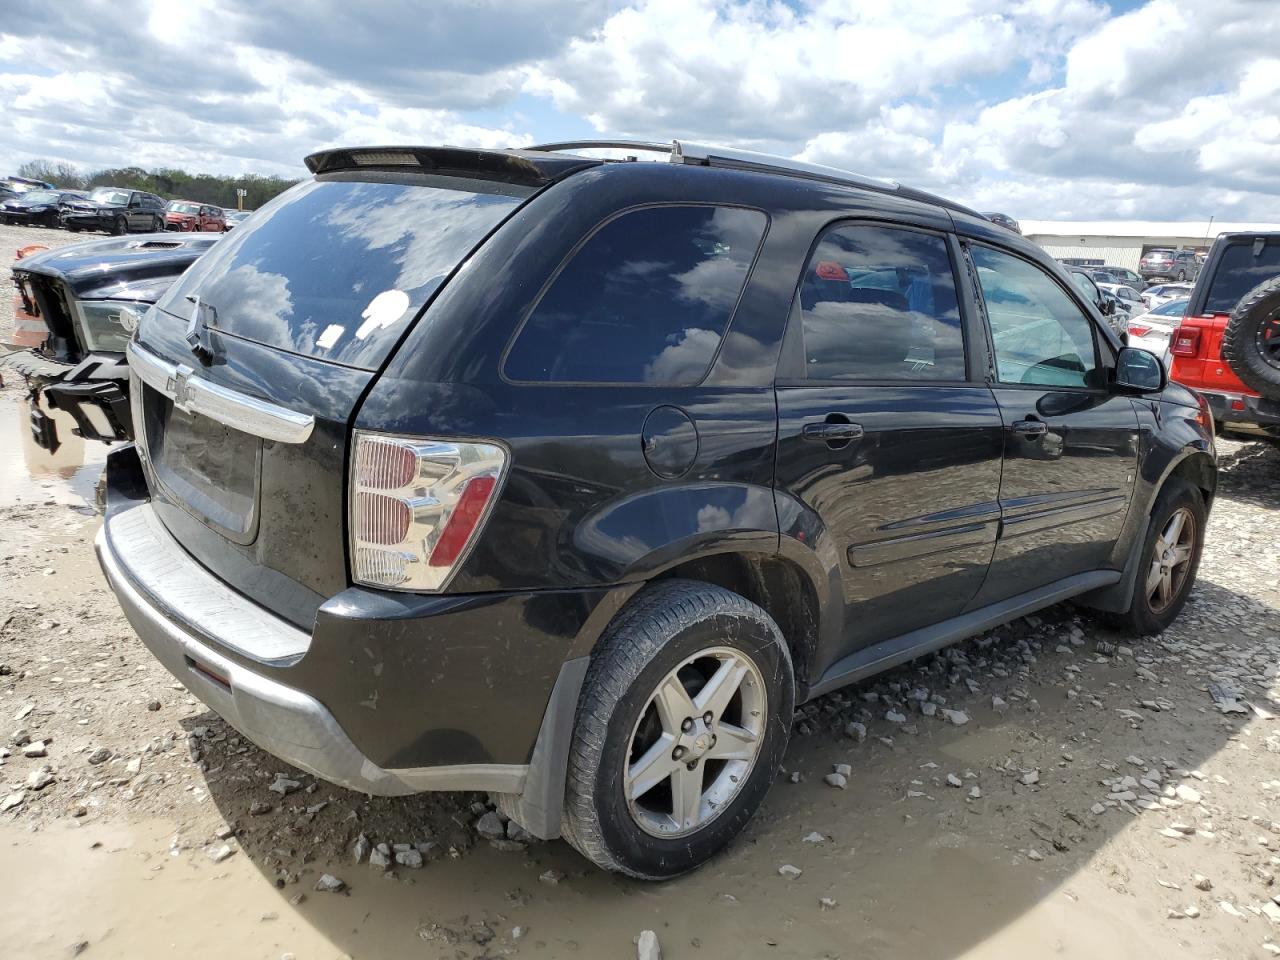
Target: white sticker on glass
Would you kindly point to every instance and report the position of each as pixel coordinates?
(330, 336)
(383, 310)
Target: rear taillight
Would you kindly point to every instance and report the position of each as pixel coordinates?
(1138, 330)
(417, 505)
(1186, 342)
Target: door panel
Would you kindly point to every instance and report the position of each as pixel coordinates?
(911, 506)
(881, 436)
(1070, 446)
(1064, 493)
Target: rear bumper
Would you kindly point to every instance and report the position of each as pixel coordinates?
(387, 695)
(1245, 412)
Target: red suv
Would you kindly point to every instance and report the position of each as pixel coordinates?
(1228, 346)
(187, 215)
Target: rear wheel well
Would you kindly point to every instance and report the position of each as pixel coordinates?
(776, 585)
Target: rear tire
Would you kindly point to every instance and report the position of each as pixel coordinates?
(1251, 343)
(680, 646)
(1168, 562)
(119, 226)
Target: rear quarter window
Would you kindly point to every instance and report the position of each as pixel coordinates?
(1242, 267)
(645, 299)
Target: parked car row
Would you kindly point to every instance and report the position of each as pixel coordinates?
(114, 210)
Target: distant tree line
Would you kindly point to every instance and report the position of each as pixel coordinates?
(168, 183)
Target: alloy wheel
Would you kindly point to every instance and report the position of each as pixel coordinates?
(1171, 560)
(696, 742)
(1268, 342)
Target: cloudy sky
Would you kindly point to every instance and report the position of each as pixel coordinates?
(1042, 108)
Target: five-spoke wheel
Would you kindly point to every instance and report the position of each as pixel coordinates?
(681, 726)
(1171, 561)
(696, 742)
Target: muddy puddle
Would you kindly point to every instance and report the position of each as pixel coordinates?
(30, 475)
(903, 886)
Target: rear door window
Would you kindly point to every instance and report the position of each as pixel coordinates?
(646, 299)
(1242, 267)
(879, 303)
(336, 268)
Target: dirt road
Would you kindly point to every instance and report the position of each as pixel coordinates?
(1094, 800)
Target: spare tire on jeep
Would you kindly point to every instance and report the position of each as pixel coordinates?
(1251, 343)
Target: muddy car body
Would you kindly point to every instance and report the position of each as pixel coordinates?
(87, 298)
(576, 506)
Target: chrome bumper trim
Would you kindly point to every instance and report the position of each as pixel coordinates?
(286, 722)
(194, 394)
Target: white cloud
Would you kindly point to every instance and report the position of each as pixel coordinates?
(1038, 107)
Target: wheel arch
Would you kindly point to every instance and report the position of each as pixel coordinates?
(1194, 466)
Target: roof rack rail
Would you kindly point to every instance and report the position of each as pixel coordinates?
(710, 156)
(653, 146)
(681, 151)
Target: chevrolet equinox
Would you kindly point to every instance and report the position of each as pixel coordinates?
(567, 479)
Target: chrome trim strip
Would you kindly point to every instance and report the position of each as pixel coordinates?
(194, 394)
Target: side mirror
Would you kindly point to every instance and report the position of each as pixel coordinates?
(1139, 370)
(1107, 306)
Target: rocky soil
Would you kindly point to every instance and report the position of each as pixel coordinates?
(1047, 787)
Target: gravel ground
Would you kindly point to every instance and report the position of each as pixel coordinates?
(1046, 787)
(11, 240)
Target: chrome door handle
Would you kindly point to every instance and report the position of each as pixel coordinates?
(1031, 429)
(826, 432)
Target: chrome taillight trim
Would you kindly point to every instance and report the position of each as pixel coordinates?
(194, 394)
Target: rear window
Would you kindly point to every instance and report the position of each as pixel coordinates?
(646, 299)
(336, 269)
(1243, 266)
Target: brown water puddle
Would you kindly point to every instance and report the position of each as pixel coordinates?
(910, 892)
(31, 475)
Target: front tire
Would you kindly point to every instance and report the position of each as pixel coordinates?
(681, 727)
(119, 226)
(1169, 560)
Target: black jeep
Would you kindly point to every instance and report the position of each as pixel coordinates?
(567, 479)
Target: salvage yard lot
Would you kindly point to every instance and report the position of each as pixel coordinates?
(1048, 787)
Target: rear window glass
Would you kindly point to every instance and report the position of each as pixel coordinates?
(646, 299)
(879, 303)
(1243, 266)
(336, 269)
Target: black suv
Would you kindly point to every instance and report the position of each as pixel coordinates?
(116, 210)
(568, 479)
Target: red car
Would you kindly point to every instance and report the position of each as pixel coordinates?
(1228, 346)
(187, 216)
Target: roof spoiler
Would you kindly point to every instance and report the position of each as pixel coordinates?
(507, 166)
